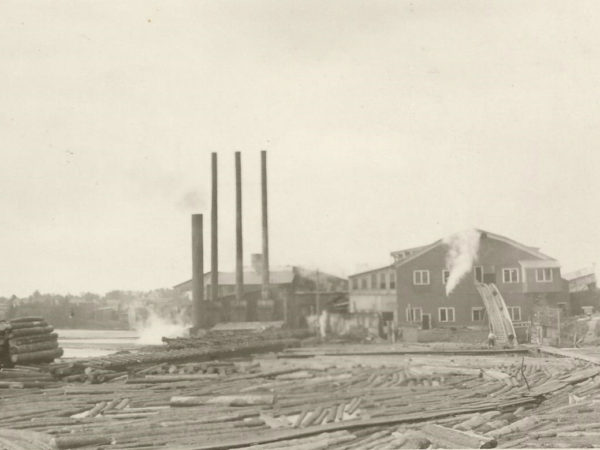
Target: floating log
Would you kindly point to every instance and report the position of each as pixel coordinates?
(457, 438)
(226, 400)
(172, 378)
(67, 442)
(519, 426)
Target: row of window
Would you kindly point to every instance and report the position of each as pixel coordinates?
(509, 275)
(387, 280)
(421, 277)
(375, 281)
(448, 314)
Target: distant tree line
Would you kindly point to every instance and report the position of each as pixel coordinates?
(87, 309)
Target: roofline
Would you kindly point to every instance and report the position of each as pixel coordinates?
(497, 237)
(418, 254)
(389, 266)
(530, 250)
(418, 247)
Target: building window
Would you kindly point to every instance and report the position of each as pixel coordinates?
(478, 274)
(414, 314)
(363, 283)
(445, 275)
(373, 281)
(420, 277)
(515, 313)
(510, 275)
(446, 314)
(392, 280)
(354, 283)
(543, 275)
(382, 281)
(477, 314)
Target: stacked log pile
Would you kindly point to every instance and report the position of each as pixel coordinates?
(28, 340)
(123, 362)
(215, 339)
(214, 345)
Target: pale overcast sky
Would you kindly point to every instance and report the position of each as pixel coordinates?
(388, 124)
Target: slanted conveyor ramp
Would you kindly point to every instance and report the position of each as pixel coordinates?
(497, 312)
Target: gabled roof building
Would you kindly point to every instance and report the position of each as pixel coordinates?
(417, 280)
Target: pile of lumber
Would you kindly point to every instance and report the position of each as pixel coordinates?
(78, 371)
(125, 361)
(28, 340)
(218, 338)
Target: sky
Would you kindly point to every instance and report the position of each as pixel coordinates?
(388, 124)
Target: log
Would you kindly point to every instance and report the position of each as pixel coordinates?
(33, 339)
(301, 417)
(519, 426)
(122, 404)
(172, 378)
(312, 417)
(36, 347)
(355, 406)
(26, 319)
(33, 331)
(295, 375)
(226, 400)
(339, 414)
(67, 442)
(458, 439)
(33, 323)
(41, 356)
(477, 420)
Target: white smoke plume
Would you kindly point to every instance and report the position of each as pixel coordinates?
(463, 249)
(154, 328)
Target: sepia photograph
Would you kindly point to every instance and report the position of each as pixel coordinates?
(299, 224)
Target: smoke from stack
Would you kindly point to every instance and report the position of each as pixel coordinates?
(463, 249)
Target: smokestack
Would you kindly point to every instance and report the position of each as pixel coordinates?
(265, 227)
(197, 272)
(214, 229)
(239, 249)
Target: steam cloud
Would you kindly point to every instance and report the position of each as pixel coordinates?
(154, 328)
(462, 253)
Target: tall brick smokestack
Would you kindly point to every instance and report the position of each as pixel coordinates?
(214, 238)
(198, 313)
(265, 227)
(239, 239)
